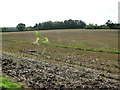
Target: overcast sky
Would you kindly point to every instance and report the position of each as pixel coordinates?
(36, 11)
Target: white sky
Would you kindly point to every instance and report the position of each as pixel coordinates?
(31, 12)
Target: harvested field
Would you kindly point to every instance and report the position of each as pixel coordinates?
(61, 64)
(40, 74)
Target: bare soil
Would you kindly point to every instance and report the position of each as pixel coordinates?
(39, 74)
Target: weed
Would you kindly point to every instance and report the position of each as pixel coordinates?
(41, 38)
(6, 83)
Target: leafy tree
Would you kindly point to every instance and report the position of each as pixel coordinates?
(112, 25)
(29, 28)
(108, 22)
(21, 26)
(4, 29)
(90, 26)
(66, 24)
(82, 24)
(39, 26)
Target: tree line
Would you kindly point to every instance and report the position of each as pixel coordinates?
(107, 25)
(66, 24)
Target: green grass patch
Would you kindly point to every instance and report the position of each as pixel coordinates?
(6, 83)
(86, 49)
(67, 46)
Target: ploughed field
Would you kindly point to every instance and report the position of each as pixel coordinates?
(67, 62)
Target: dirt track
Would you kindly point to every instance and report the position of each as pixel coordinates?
(39, 74)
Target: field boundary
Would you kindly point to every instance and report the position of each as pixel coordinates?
(66, 46)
